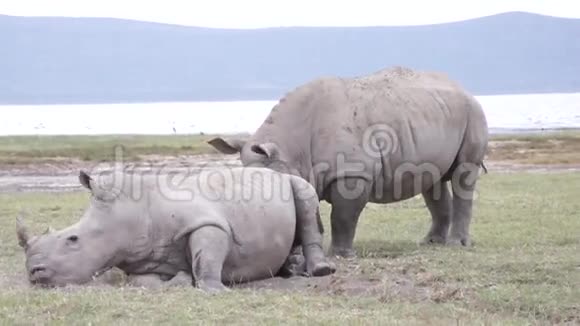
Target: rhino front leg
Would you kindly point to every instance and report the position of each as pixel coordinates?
(348, 197)
(438, 201)
(209, 247)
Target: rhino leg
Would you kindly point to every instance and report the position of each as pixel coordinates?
(463, 185)
(348, 198)
(209, 247)
(311, 239)
(438, 201)
(180, 279)
(309, 230)
(295, 264)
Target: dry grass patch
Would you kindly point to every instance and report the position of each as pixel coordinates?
(548, 148)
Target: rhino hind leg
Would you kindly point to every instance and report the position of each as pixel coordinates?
(180, 279)
(209, 247)
(295, 264)
(308, 234)
(313, 262)
(463, 185)
(348, 197)
(439, 203)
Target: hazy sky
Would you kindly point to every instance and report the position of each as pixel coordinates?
(261, 13)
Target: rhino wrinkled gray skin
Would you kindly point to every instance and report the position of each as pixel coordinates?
(217, 227)
(381, 138)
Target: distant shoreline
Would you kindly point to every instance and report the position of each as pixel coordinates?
(4, 104)
(534, 131)
(509, 114)
(492, 131)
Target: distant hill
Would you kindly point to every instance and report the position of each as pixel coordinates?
(94, 60)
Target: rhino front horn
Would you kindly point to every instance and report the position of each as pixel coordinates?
(22, 232)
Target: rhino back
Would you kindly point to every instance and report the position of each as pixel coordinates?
(332, 123)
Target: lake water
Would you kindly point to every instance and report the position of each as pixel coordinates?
(512, 113)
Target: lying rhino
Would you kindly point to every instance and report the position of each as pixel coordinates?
(220, 226)
(380, 138)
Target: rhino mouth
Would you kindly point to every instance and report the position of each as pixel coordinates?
(41, 276)
(44, 277)
(43, 284)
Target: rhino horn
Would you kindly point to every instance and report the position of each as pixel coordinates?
(229, 146)
(22, 232)
(85, 180)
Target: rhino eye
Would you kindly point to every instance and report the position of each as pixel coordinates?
(73, 238)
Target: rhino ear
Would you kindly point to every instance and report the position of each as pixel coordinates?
(230, 146)
(85, 180)
(270, 150)
(97, 190)
(22, 233)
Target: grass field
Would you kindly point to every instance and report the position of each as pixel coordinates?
(37, 149)
(549, 148)
(523, 270)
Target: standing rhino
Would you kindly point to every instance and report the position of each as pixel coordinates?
(221, 226)
(380, 138)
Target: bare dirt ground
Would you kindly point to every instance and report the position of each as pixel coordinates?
(62, 176)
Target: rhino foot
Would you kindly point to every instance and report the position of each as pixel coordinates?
(181, 279)
(433, 239)
(213, 287)
(459, 242)
(343, 253)
(295, 265)
(322, 269)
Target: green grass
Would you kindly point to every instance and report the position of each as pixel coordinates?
(552, 147)
(523, 270)
(36, 149)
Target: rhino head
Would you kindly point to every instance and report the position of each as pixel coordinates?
(74, 255)
(258, 154)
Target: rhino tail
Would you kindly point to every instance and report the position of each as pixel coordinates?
(484, 167)
(319, 221)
